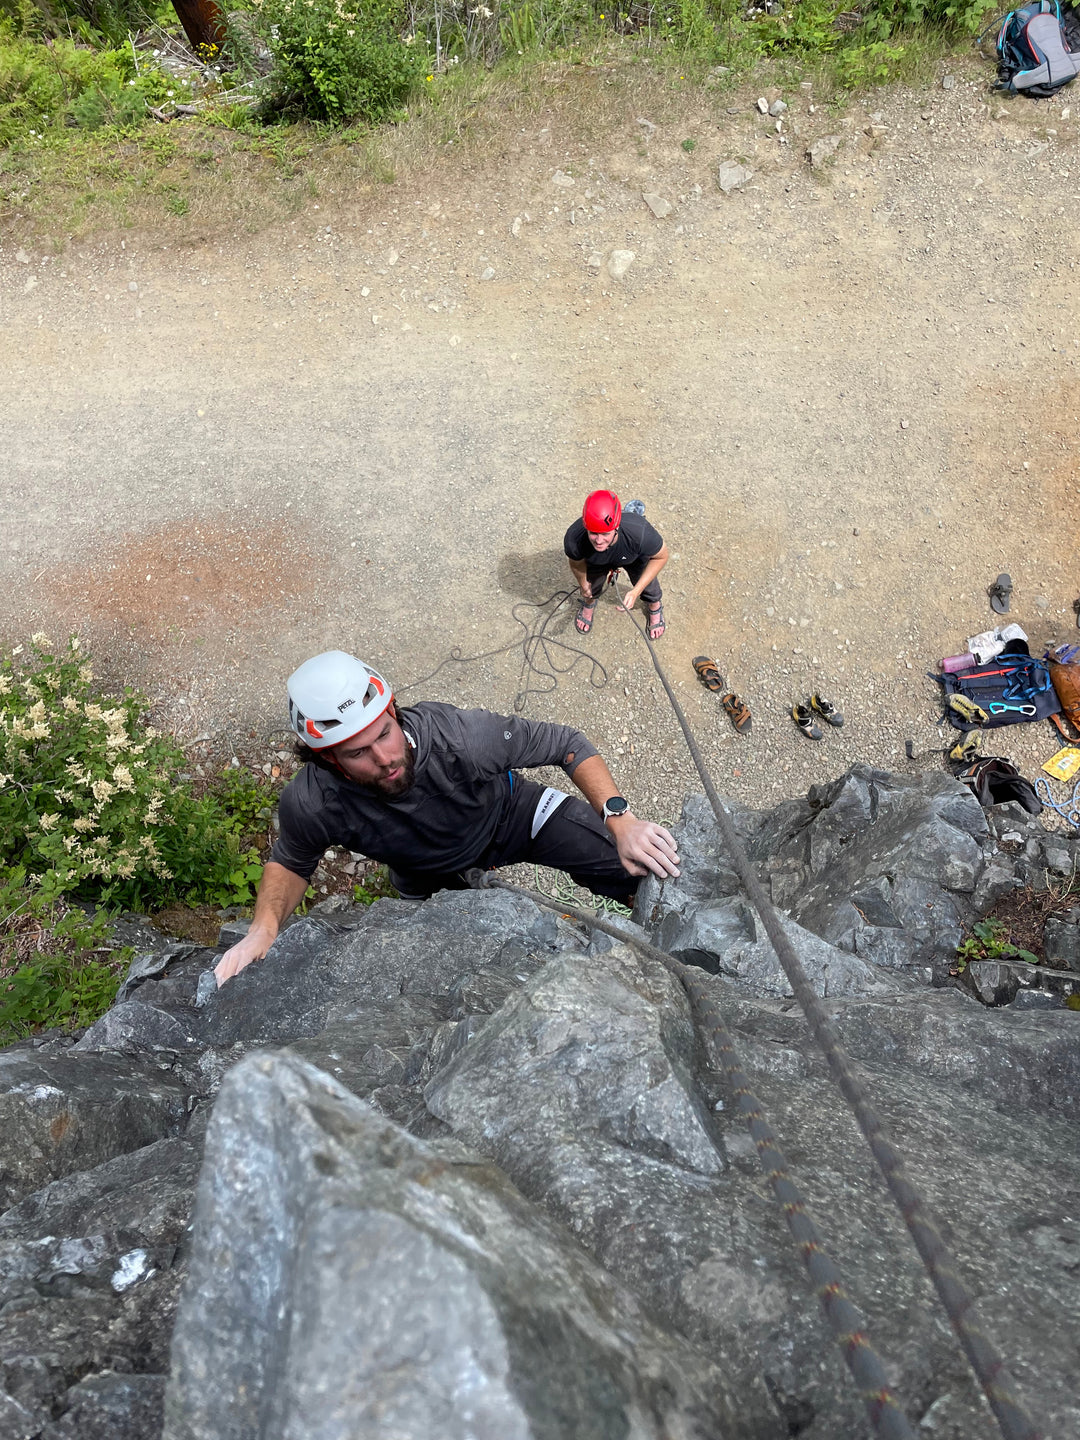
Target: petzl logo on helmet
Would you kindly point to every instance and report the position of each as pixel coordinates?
(313, 730)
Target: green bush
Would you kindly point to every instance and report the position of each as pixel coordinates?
(91, 803)
(884, 17)
(93, 21)
(49, 86)
(339, 60)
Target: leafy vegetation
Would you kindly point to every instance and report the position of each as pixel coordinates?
(96, 811)
(989, 940)
(335, 60)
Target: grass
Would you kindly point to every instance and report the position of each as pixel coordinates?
(221, 172)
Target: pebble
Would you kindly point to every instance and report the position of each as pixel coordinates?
(619, 262)
(823, 150)
(777, 108)
(763, 105)
(488, 273)
(657, 204)
(392, 258)
(22, 257)
(948, 82)
(730, 175)
(515, 226)
(561, 178)
(132, 286)
(1041, 602)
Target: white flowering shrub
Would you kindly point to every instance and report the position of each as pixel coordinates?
(91, 806)
(339, 60)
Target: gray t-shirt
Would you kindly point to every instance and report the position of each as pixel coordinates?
(449, 816)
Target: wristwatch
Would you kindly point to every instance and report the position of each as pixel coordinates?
(614, 807)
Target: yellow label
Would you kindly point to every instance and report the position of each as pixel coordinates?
(1065, 764)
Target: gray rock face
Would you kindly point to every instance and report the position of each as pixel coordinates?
(885, 867)
(111, 1407)
(715, 1264)
(70, 1112)
(345, 1276)
(1061, 940)
(316, 978)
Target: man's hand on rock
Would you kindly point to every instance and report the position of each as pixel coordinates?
(644, 846)
(253, 946)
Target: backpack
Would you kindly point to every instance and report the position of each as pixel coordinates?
(1033, 53)
(995, 781)
(1011, 679)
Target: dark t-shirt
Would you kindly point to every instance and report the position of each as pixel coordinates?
(449, 816)
(636, 540)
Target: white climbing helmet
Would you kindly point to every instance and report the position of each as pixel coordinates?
(333, 697)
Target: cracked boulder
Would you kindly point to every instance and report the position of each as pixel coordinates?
(887, 868)
(346, 1278)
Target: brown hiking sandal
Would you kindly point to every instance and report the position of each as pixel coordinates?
(739, 712)
(708, 674)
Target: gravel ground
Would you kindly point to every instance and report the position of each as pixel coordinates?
(846, 394)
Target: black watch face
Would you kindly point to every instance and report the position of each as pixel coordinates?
(616, 806)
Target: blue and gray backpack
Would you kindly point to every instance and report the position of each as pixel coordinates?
(1033, 53)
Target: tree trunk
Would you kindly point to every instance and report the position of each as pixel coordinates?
(204, 24)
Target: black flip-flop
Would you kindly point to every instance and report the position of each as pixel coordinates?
(1000, 593)
(1076, 612)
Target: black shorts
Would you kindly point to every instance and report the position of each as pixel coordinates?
(596, 576)
(573, 838)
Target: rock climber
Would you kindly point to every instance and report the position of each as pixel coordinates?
(431, 790)
(608, 538)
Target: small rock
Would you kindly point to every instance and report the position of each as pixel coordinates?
(132, 286)
(595, 261)
(22, 257)
(1041, 602)
(488, 273)
(1067, 112)
(730, 175)
(657, 204)
(561, 178)
(777, 108)
(619, 263)
(823, 150)
(1059, 860)
(948, 82)
(646, 125)
(904, 424)
(763, 104)
(392, 258)
(515, 226)
(455, 340)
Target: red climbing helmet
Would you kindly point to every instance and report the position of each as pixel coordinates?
(602, 512)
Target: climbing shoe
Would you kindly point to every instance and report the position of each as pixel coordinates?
(824, 711)
(966, 748)
(968, 710)
(804, 719)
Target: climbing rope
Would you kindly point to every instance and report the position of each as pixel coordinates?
(987, 1364)
(541, 653)
(847, 1324)
(1069, 810)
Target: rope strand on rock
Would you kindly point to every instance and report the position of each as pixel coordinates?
(984, 1359)
(847, 1324)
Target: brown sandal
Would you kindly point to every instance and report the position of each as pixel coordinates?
(707, 673)
(739, 712)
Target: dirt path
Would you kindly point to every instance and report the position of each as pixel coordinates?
(847, 397)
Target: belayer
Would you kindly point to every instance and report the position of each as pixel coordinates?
(430, 791)
(608, 538)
